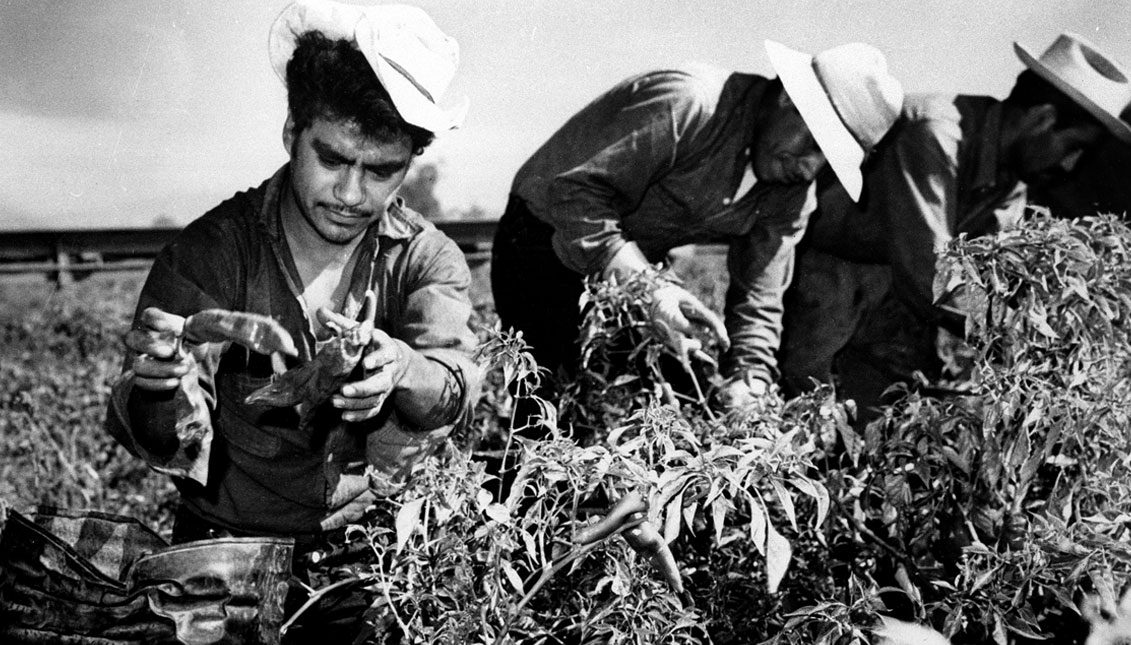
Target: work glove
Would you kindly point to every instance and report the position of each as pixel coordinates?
(674, 313)
(674, 310)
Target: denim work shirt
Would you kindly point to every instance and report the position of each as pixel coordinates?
(935, 175)
(252, 468)
(658, 160)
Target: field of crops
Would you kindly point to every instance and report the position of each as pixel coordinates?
(984, 514)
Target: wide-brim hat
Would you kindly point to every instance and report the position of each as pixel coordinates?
(1095, 82)
(411, 57)
(847, 98)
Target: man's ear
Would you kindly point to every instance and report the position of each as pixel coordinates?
(289, 133)
(783, 99)
(1040, 118)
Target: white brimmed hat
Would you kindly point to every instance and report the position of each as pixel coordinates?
(1094, 81)
(847, 98)
(411, 57)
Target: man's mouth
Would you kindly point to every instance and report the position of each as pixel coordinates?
(345, 213)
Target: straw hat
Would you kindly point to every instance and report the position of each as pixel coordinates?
(847, 98)
(412, 58)
(1097, 83)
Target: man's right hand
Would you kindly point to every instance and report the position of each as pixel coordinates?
(159, 362)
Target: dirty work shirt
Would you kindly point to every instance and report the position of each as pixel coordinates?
(658, 160)
(937, 174)
(261, 473)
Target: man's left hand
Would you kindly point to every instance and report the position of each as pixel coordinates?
(384, 365)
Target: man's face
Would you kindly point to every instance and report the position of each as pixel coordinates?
(343, 181)
(1046, 153)
(785, 151)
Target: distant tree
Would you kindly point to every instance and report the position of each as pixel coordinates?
(473, 212)
(418, 190)
(164, 221)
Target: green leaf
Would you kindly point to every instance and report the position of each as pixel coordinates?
(512, 576)
(786, 501)
(719, 510)
(672, 515)
(758, 525)
(778, 554)
(818, 492)
(408, 518)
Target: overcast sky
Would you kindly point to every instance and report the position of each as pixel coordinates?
(122, 112)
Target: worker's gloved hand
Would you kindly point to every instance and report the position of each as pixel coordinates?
(675, 312)
(742, 391)
(159, 363)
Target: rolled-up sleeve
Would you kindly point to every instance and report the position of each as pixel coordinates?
(634, 142)
(760, 264)
(181, 421)
(435, 321)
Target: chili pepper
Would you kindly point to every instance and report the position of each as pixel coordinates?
(617, 516)
(312, 384)
(647, 541)
(259, 333)
(629, 512)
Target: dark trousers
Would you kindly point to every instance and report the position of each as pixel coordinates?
(843, 318)
(534, 292)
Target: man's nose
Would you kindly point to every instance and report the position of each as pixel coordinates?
(812, 163)
(1068, 163)
(349, 189)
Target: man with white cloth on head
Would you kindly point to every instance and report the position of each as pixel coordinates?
(323, 243)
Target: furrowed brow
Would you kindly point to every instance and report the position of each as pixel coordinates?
(387, 168)
(326, 152)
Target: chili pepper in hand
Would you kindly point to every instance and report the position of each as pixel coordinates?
(309, 386)
(256, 332)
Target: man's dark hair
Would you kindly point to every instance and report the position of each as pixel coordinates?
(1030, 89)
(331, 79)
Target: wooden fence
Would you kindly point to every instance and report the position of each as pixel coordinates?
(64, 254)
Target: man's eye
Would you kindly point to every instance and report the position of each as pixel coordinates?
(380, 175)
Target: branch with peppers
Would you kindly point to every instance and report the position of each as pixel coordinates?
(628, 517)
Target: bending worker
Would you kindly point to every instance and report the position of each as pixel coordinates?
(683, 156)
(861, 306)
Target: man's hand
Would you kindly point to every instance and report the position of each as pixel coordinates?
(384, 365)
(675, 312)
(159, 362)
(742, 392)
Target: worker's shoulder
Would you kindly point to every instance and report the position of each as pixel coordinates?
(697, 83)
(232, 221)
(409, 227)
(931, 107)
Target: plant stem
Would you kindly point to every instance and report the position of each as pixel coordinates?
(316, 596)
(547, 573)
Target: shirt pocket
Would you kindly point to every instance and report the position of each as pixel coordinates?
(254, 429)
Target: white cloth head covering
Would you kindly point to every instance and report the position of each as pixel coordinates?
(411, 57)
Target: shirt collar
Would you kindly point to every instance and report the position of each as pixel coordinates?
(396, 224)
